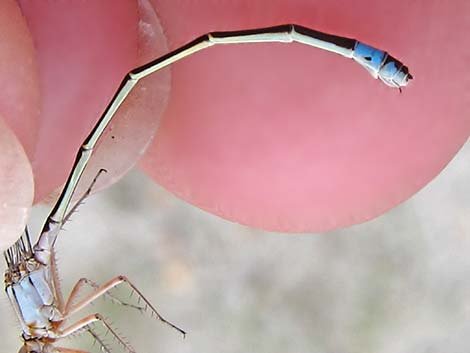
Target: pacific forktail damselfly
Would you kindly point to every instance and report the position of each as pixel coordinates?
(31, 280)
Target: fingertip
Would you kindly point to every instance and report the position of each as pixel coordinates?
(297, 139)
(83, 51)
(16, 187)
(136, 122)
(20, 99)
(19, 111)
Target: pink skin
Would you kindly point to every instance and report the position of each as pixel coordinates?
(19, 104)
(263, 135)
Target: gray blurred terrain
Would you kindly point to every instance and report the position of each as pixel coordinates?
(400, 283)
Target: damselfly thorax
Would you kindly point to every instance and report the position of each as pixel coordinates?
(31, 280)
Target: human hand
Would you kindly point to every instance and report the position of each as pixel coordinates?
(285, 138)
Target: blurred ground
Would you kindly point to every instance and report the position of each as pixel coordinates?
(400, 283)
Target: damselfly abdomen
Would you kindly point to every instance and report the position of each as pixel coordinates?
(31, 280)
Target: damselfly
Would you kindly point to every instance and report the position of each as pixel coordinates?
(31, 280)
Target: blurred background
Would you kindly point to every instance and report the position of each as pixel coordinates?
(399, 283)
